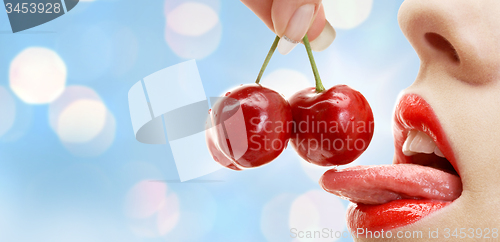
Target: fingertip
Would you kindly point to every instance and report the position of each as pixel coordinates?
(325, 39)
(318, 24)
(261, 8)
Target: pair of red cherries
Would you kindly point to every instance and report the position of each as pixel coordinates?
(253, 124)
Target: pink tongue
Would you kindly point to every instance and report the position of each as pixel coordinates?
(385, 183)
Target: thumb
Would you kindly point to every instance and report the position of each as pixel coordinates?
(293, 19)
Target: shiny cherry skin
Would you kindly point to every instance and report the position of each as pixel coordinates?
(252, 125)
(333, 127)
(214, 150)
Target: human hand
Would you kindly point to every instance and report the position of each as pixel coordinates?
(292, 19)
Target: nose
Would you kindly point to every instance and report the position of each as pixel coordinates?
(458, 37)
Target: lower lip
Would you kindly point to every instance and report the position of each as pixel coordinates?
(363, 218)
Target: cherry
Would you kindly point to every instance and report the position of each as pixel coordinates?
(332, 127)
(252, 125)
(214, 150)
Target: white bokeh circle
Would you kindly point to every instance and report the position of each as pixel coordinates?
(37, 75)
(97, 145)
(192, 19)
(286, 81)
(145, 198)
(70, 95)
(7, 111)
(316, 210)
(347, 14)
(82, 121)
(151, 209)
(192, 37)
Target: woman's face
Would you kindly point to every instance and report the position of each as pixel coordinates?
(458, 43)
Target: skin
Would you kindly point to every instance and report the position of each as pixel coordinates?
(463, 88)
(277, 13)
(465, 96)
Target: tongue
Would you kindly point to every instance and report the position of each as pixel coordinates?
(385, 183)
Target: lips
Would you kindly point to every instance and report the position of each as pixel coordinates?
(416, 185)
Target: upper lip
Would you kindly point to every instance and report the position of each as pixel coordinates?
(414, 113)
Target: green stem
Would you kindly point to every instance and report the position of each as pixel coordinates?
(319, 84)
(268, 58)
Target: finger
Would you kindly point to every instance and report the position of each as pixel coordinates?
(297, 15)
(321, 34)
(261, 8)
(317, 25)
(293, 19)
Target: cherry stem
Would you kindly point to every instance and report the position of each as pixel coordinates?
(268, 58)
(319, 84)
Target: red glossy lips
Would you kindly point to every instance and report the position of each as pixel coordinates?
(413, 112)
(392, 196)
(390, 215)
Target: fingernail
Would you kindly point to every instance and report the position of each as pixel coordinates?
(325, 39)
(296, 29)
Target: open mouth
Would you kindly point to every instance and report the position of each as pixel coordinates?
(422, 179)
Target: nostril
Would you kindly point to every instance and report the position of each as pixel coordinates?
(440, 43)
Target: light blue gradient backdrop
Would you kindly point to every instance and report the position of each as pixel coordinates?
(48, 194)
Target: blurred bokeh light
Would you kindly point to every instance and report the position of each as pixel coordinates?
(192, 19)
(316, 210)
(286, 81)
(347, 14)
(82, 121)
(151, 212)
(193, 29)
(37, 75)
(145, 198)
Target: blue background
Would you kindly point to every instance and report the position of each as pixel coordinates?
(49, 194)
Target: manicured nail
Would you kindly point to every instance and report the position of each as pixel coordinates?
(296, 29)
(325, 39)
